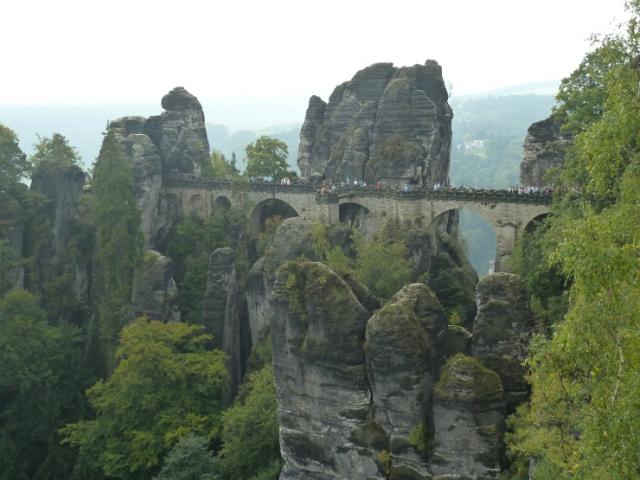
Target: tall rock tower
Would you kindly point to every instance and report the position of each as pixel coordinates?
(386, 124)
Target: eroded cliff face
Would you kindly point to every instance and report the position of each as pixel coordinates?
(172, 143)
(322, 389)
(154, 291)
(394, 394)
(387, 123)
(293, 239)
(54, 238)
(545, 147)
(224, 313)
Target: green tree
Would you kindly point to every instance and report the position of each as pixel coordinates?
(189, 459)
(54, 151)
(165, 386)
(250, 431)
(382, 266)
(190, 244)
(267, 157)
(42, 376)
(219, 167)
(14, 165)
(118, 240)
(14, 168)
(584, 417)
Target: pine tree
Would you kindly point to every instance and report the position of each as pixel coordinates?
(118, 241)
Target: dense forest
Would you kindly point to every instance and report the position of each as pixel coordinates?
(90, 390)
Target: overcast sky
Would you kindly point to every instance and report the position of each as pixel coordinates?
(117, 51)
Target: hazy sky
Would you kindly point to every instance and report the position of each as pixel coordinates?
(87, 51)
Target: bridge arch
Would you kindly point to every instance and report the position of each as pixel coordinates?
(356, 216)
(481, 250)
(221, 203)
(196, 205)
(531, 223)
(266, 209)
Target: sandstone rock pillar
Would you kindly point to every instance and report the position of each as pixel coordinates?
(506, 235)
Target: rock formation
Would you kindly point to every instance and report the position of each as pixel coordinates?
(154, 291)
(468, 414)
(396, 394)
(292, 239)
(386, 123)
(172, 143)
(502, 332)
(544, 148)
(147, 169)
(179, 133)
(14, 236)
(405, 346)
(54, 237)
(224, 312)
(319, 364)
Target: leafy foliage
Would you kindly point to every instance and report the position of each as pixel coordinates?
(250, 431)
(585, 413)
(166, 386)
(545, 283)
(189, 459)
(267, 157)
(190, 245)
(219, 167)
(14, 165)
(382, 263)
(15, 198)
(54, 152)
(42, 375)
(382, 266)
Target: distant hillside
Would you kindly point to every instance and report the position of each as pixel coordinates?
(488, 134)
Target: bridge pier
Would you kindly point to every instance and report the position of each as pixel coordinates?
(327, 209)
(506, 235)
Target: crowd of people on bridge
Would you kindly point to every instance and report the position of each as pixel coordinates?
(327, 186)
(531, 190)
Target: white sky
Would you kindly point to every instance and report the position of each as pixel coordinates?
(87, 51)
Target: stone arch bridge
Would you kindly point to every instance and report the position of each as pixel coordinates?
(508, 213)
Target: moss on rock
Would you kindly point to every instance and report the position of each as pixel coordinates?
(464, 379)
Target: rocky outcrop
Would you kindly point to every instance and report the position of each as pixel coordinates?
(179, 133)
(56, 238)
(544, 148)
(147, 169)
(172, 143)
(469, 417)
(293, 239)
(224, 312)
(449, 274)
(405, 346)
(15, 239)
(318, 330)
(396, 395)
(387, 123)
(502, 332)
(62, 188)
(154, 291)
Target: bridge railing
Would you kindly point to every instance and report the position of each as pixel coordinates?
(502, 196)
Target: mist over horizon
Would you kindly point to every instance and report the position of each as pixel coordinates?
(245, 117)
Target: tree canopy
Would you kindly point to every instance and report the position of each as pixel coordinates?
(42, 375)
(219, 167)
(267, 157)
(118, 239)
(584, 417)
(54, 151)
(165, 386)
